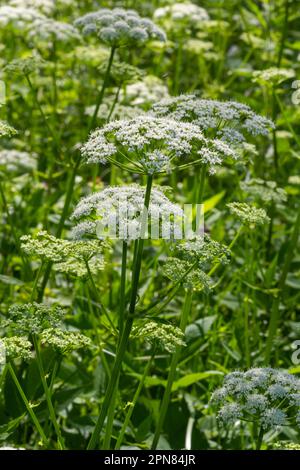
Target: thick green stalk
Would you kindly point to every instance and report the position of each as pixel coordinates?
(128, 324)
(172, 371)
(48, 394)
(132, 404)
(104, 85)
(27, 405)
(274, 320)
(123, 286)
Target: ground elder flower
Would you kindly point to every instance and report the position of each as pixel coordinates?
(132, 140)
(33, 318)
(227, 120)
(17, 347)
(145, 92)
(17, 161)
(262, 395)
(182, 15)
(44, 6)
(19, 17)
(118, 27)
(64, 341)
(119, 209)
(265, 191)
(47, 29)
(163, 336)
(248, 214)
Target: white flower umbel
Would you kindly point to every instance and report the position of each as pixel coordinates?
(18, 17)
(116, 212)
(148, 144)
(229, 120)
(145, 92)
(47, 29)
(118, 27)
(272, 76)
(265, 396)
(17, 161)
(46, 7)
(186, 13)
(266, 191)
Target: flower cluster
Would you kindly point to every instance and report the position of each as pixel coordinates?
(182, 271)
(44, 6)
(116, 212)
(71, 257)
(191, 258)
(17, 161)
(33, 318)
(248, 214)
(269, 397)
(272, 76)
(228, 120)
(182, 14)
(145, 92)
(136, 141)
(118, 27)
(25, 65)
(121, 72)
(65, 341)
(47, 29)
(6, 129)
(17, 347)
(265, 191)
(164, 336)
(19, 17)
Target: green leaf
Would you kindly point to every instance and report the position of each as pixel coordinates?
(190, 379)
(210, 203)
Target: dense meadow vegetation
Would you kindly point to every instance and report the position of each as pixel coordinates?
(122, 340)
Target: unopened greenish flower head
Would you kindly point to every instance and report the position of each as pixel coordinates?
(70, 257)
(33, 318)
(118, 27)
(272, 76)
(160, 335)
(263, 395)
(190, 277)
(264, 191)
(65, 341)
(248, 214)
(26, 65)
(148, 144)
(121, 72)
(17, 347)
(6, 129)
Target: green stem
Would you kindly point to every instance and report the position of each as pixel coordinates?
(274, 320)
(172, 372)
(47, 394)
(27, 405)
(128, 324)
(123, 286)
(259, 439)
(133, 403)
(101, 93)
